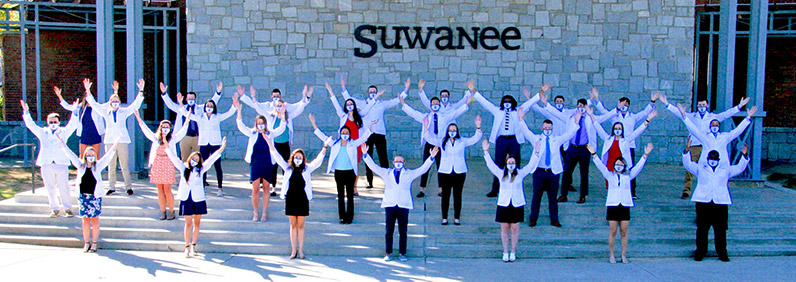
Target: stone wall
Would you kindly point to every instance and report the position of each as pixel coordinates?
(623, 48)
(779, 144)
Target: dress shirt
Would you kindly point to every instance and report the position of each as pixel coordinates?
(116, 122)
(453, 153)
(556, 141)
(252, 134)
(624, 142)
(99, 122)
(444, 107)
(717, 141)
(619, 192)
(443, 120)
(194, 186)
(702, 121)
(209, 126)
(712, 183)
(511, 191)
(628, 119)
(499, 120)
(351, 148)
(306, 174)
(96, 170)
(50, 141)
(397, 192)
(376, 111)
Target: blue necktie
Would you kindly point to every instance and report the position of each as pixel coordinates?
(618, 179)
(114, 116)
(397, 176)
(577, 137)
(547, 151)
(435, 124)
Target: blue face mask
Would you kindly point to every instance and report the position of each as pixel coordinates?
(623, 109)
(559, 106)
(90, 159)
(372, 95)
(274, 99)
(191, 102)
(714, 129)
(115, 105)
(702, 109)
(297, 161)
(398, 165)
(345, 137)
(452, 134)
(507, 106)
(444, 99)
(618, 132)
(435, 107)
(209, 110)
(582, 109)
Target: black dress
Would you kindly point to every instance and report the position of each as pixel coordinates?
(296, 202)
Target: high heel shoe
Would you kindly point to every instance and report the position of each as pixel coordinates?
(293, 255)
(193, 250)
(255, 216)
(264, 217)
(301, 255)
(86, 246)
(625, 260)
(187, 250)
(93, 248)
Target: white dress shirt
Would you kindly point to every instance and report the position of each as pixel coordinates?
(569, 114)
(96, 170)
(174, 107)
(116, 126)
(351, 148)
(444, 107)
(397, 193)
(376, 111)
(453, 153)
(267, 109)
(194, 186)
(511, 191)
(619, 192)
(344, 116)
(99, 122)
(209, 126)
(703, 121)
(628, 119)
(252, 134)
(444, 119)
(306, 174)
(499, 120)
(153, 149)
(50, 141)
(712, 183)
(556, 141)
(624, 142)
(718, 141)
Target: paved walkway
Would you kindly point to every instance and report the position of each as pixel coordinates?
(19, 262)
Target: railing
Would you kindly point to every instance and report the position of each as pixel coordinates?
(32, 162)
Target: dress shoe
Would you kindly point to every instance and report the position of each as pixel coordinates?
(684, 196)
(570, 188)
(369, 186)
(562, 199)
(421, 194)
(724, 258)
(582, 200)
(492, 194)
(273, 194)
(532, 223)
(129, 192)
(556, 223)
(457, 222)
(444, 222)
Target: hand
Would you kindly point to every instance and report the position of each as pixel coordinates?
(744, 101)
(116, 143)
(421, 84)
(179, 98)
(536, 148)
(219, 87)
(470, 85)
(591, 148)
(433, 152)
(235, 97)
(77, 102)
(425, 124)
(526, 93)
(58, 93)
(485, 145)
(751, 112)
(470, 99)
(521, 114)
(372, 123)
(545, 87)
(379, 94)
(236, 102)
(407, 84)
(688, 143)
(239, 91)
(223, 144)
(744, 149)
(24, 105)
(284, 110)
(309, 92)
(682, 110)
(163, 88)
(401, 99)
(329, 89)
(312, 120)
(543, 99)
(663, 98)
(137, 116)
(327, 142)
(619, 105)
(140, 85)
(342, 82)
(87, 85)
(478, 121)
(655, 96)
(115, 86)
(590, 111)
(578, 114)
(252, 92)
(594, 94)
(364, 148)
(648, 149)
(652, 115)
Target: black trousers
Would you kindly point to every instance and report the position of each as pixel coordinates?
(576, 156)
(633, 181)
(707, 215)
(402, 215)
(424, 178)
(345, 190)
(284, 150)
(544, 180)
(505, 146)
(452, 181)
(379, 142)
(206, 151)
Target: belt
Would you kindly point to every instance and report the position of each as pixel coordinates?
(577, 146)
(696, 145)
(544, 169)
(507, 136)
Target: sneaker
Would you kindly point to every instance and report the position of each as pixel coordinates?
(220, 193)
(403, 258)
(129, 192)
(54, 213)
(387, 257)
(512, 257)
(69, 213)
(273, 194)
(110, 192)
(444, 222)
(505, 257)
(421, 194)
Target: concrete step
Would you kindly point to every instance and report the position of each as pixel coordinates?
(634, 250)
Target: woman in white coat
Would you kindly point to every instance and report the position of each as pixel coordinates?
(617, 144)
(88, 183)
(351, 117)
(511, 198)
(209, 124)
(619, 198)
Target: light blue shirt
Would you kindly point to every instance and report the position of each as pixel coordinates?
(342, 161)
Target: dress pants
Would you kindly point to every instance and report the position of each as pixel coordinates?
(345, 191)
(544, 180)
(379, 142)
(56, 176)
(426, 154)
(707, 215)
(402, 215)
(123, 155)
(188, 145)
(452, 181)
(284, 150)
(576, 156)
(696, 152)
(206, 151)
(505, 146)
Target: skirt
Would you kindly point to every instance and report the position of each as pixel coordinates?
(264, 170)
(90, 206)
(162, 171)
(189, 207)
(296, 204)
(510, 214)
(617, 213)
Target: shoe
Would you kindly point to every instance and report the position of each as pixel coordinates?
(369, 186)
(582, 200)
(491, 194)
(444, 222)
(387, 257)
(403, 258)
(206, 184)
(171, 215)
(220, 193)
(342, 221)
(532, 223)
(684, 196)
(86, 247)
(193, 250)
(301, 255)
(505, 257)
(562, 199)
(54, 213)
(456, 222)
(421, 194)
(571, 188)
(439, 194)
(612, 259)
(556, 223)
(129, 192)
(264, 217)
(512, 257)
(255, 217)
(162, 215)
(273, 194)
(724, 258)
(69, 213)
(110, 192)
(624, 259)
(356, 194)
(187, 251)
(293, 255)
(698, 256)
(93, 248)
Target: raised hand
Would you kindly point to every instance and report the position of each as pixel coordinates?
(364, 148)
(485, 145)
(744, 149)
(179, 98)
(223, 144)
(379, 94)
(304, 91)
(421, 84)
(115, 86)
(663, 98)
(284, 110)
(372, 123)
(521, 114)
(137, 116)
(478, 121)
(648, 149)
(655, 95)
(239, 91)
(163, 88)
(526, 93)
(87, 85)
(591, 148)
(77, 102)
(140, 84)
(407, 84)
(743, 102)
(543, 99)
(594, 94)
(24, 105)
(751, 112)
(401, 99)
(236, 102)
(58, 93)
(470, 85)
(578, 114)
(342, 81)
(252, 92)
(309, 92)
(219, 87)
(652, 115)
(235, 97)
(329, 89)
(545, 87)
(312, 120)
(433, 152)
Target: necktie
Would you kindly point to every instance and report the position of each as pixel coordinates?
(506, 124)
(397, 176)
(114, 116)
(618, 179)
(577, 136)
(547, 151)
(436, 131)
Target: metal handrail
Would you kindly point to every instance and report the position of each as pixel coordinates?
(32, 162)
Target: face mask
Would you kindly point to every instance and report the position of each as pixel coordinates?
(582, 110)
(618, 132)
(452, 134)
(398, 165)
(191, 102)
(511, 167)
(165, 130)
(559, 106)
(702, 109)
(713, 163)
(261, 126)
(114, 105)
(714, 129)
(444, 99)
(623, 108)
(547, 132)
(435, 107)
(275, 99)
(90, 159)
(345, 136)
(372, 95)
(297, 161)
(194, 163)
(619, 168)
(209, 110)
(280, 109)
(507, 106)
(53, 126)
(349, 107)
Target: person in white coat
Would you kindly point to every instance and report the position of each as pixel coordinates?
(161, 170)
(712, 198)
(619, 198)
(445, 105)
(53, 162)
(91, 126)
(453, 168)
(191, 192)
(511, 198)
(297, 192)
(190, 142)
(343, 162)
(618, 144)
(715, 140)
(397, 200)
(116, 128)
(90, 188)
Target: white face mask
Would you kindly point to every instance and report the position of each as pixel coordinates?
(398, 165)
(261, 126)
(713, 163)
(345, 137)
(53, 126)
(507, 106)
(209, 110)
(91, 159)
(372, 95)
(444, 99)
(275, 99)
(619, 168)
(618, 132)
(452, 134)
(280, 109)
(191, 102)
(349, 107)
(194, 163)
(115, 105)
(702, 109)
(559, 106)
(165, 130)
(547, 132)
(511, 167)
(623, 108)
(582, 110)
(435, 107)
(714, 129)
(297, 161)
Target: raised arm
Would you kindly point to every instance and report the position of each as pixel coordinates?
(145, 129)
(71, 126)
(424, 98)
(490, 164)
(598, 162)
(600, 130)
(735, 132)
(415, 173)
(491, 108)
(741, 166)
(695, 131)
(170, 103)
(638, 167)
(173, 158)
(532, 164)
(637, 132)
(208, 163)
(71, 155)
(690, 165)
(318, 161)
(106, 159)
(243, 128)
(339, 110)
(102, 111)
(29, 123)
(414, 114)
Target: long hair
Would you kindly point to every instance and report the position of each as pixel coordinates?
(265, 121)
(276, 110)
(159, 133)
(293, 166)
(506, 171)
(215, 107)
(357, 117)
(445, 140)
(614, 127)
(83, 162)
(623, 161)
(508, 99)
(189, 167)
(341, 132)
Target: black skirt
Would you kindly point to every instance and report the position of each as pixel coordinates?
(510, 214)
(189, 207)
(617, 213)
(296, 203)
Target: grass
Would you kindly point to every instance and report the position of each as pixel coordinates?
(15, 180)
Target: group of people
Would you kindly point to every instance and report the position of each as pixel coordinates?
(568, 138)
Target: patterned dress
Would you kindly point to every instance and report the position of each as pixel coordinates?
(162, 171)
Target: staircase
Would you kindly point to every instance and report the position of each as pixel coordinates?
(762, 221)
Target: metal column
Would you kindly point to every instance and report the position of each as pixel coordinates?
(755, 85)
(135, 64)
(105, 49)
(726, 68)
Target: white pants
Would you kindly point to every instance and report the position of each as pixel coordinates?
(57, 175)
(123, 157)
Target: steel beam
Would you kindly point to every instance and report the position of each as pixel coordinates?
(755, 85)
(726, 68)
(135, 64)
(105, 50)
